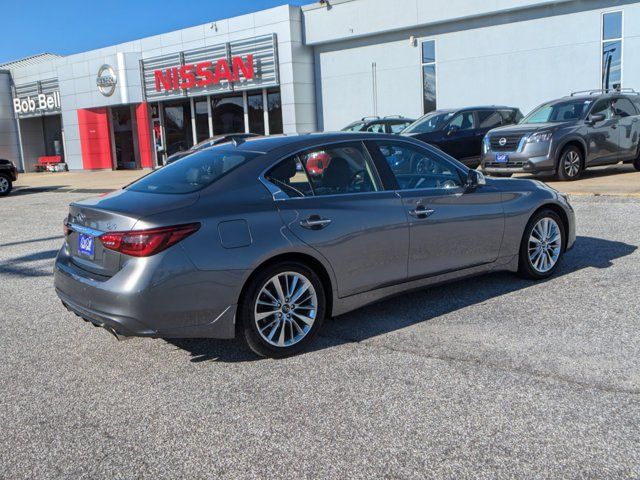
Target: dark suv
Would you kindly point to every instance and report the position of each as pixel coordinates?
(390, 124)
(460, 132)
(8, 175)
(565, 136)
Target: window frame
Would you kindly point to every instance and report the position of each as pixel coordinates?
(423, 64)
(622, 97)
(474, 116)
(390, 182)
(494, 111)
(592, 107)
(603, 41)
(279, 196)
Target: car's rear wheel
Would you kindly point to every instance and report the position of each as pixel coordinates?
(5, 185)
(542, 246)
(282, 309)
(570, 165)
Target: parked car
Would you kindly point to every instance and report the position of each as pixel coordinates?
(459, 133)
(390, 124)
(565, 136)
(8, 175)
(209, 143)
(238, 241)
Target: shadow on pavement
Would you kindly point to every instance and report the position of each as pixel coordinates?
(418, 307)
(20, 266)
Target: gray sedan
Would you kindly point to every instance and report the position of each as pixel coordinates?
(244, 240)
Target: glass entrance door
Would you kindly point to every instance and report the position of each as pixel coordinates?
(125, 153)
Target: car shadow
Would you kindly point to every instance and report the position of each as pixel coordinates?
(22, 266)
(594, 172)
(419, 306)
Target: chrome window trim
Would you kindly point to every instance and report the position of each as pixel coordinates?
(86, 230)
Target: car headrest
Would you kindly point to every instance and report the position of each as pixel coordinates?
(285, 171)
(337, 173)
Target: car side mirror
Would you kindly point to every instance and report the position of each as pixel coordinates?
(596, 117)
(452, 129)
(475, 179)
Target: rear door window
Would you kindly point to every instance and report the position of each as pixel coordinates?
(376, 128)
(489, 119)
(340, 169)
(290, 177)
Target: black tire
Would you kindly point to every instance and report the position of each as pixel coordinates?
(636, 162)
(5, 188)
(248, 328)
(526, 267)
(570, 164)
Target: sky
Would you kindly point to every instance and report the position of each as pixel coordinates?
(71, 26)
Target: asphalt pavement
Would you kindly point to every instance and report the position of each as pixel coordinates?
(492, 377)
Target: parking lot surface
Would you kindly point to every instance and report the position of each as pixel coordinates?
(492, 377)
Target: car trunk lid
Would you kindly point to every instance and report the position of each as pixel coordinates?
(116, 212)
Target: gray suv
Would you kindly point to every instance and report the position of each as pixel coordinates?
(565, 136)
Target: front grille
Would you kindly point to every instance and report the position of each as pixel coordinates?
(511, 145)
(504, 165)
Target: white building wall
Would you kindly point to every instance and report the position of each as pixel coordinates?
(519, 58)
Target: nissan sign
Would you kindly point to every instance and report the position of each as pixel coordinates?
(106, 80)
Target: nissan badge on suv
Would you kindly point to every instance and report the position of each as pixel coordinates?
(565, 136)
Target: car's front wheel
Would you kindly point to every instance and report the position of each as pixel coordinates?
(571, 164)
(5, 185)
(282, 309)
(542, 246)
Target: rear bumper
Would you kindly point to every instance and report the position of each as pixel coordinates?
(161, 296)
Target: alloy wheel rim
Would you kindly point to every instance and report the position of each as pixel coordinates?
(545, 245)
(4, 184)
(286, 309)
(572, 163)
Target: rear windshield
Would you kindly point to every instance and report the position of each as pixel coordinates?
(429, 123)
(193, 172)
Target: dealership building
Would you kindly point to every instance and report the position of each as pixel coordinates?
(303, 69)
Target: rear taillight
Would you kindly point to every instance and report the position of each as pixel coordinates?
(144, 243)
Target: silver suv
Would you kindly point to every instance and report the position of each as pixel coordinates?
(565, 136)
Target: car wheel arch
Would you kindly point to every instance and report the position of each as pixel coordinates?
(573, 142)
(306, 259)
(554, 207)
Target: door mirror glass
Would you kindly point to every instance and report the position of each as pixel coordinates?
(475, 179)
(597, 117)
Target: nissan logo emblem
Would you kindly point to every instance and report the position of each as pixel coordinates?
(502, 142)
(106, 80)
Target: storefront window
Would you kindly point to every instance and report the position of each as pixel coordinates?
(612, 50)
(228, 115)
(275, 112)
(429, 75)
(256, 113)
(177, 126)
(202, 120)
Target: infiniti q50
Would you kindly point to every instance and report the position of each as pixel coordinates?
(243, 240)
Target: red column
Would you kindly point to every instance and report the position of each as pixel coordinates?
(145, 139)
(95, 138)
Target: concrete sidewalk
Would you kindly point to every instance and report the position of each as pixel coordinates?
(617, 180)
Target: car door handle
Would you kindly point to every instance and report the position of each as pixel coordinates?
(315, 222)
(421, 212)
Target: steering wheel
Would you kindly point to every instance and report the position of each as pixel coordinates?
(447, 184)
